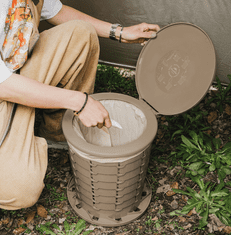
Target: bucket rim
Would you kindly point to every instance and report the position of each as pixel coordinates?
(125, 150)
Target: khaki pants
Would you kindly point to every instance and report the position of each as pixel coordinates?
(65, 56)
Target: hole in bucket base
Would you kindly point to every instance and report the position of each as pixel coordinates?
(144, 194)
(95, 218)
(118, 219)
(136, 209)
(78, 206)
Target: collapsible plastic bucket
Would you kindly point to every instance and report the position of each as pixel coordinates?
(174, 72)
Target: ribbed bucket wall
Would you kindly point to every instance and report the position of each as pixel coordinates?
(109, 188)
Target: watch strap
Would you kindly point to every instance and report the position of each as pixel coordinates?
(113, 31)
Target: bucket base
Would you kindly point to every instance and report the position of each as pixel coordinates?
(109, 222)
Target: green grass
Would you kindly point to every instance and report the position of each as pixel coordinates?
(109, 79)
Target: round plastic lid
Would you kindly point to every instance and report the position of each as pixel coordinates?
(176, 69)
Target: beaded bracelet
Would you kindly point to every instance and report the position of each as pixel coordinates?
(75, 112)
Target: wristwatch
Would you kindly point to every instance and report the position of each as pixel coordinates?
(113, 30)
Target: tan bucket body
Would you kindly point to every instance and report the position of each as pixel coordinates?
(109, 182)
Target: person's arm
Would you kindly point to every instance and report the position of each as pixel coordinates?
(26, 91)
(133, 34)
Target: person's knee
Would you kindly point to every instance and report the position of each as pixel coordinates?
(85, 32)
(21, 195)
(84, 27)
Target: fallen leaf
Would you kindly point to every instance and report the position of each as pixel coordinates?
(184, 198)
(193, 211)
(215, 220)
(175, 185)
(221, 228)
(64, 160)
(208, 132)
(155, 218)
(174, 204)
(210, 226)
(227, 230)
(30, 216)
(170, 193)
(6, 221)
(187, 226)
(182, 219)
(215, 228)
(172, 172)
(41, 211)
(163, 180)
(171, 226)
(19, 230)
(61, 220)
(20, 222)
(163, 189)
(212, 117)
(228, 109)
(59, 190)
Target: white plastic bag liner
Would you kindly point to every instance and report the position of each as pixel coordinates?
(132, 120)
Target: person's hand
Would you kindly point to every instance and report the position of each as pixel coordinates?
(94, 114)
(138, 33)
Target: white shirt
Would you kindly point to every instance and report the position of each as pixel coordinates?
(49, 10)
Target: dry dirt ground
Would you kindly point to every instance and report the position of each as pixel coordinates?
(54, 207)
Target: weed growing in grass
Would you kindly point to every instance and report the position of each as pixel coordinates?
(207, 202)
(151, 222)
(55, 196)
(201, 154)
(73, 229)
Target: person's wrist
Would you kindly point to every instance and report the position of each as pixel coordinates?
(83, 106)
(76, 101)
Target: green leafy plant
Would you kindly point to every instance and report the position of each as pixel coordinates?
(203, 154)
(73, 229)
(109, 79)
(55, 196)
(193, 119)
(207, 202)
(149, 221)
(175, 225)
(223, 96)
